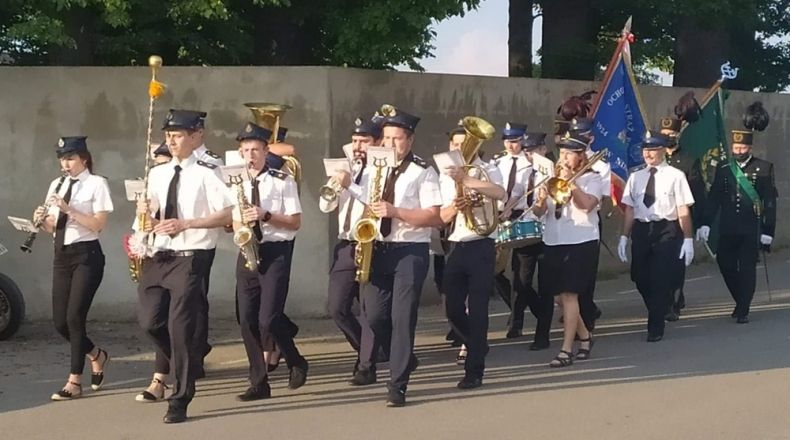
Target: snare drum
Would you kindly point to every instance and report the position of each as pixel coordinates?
(519, 233)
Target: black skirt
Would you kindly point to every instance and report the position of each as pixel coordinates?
(568, 268)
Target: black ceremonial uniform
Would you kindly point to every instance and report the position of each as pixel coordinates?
(740, 226)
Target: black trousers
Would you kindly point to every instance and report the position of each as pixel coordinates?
(261, 298)
(737, 259)
(170, 295)
(469, 277)
(678, 297)
(524, 262)
(77, 272)
(398, 273)
(202, 325)
(438, 272)
(655, 267)
(343, 289)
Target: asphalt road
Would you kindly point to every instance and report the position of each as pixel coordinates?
(708, 379)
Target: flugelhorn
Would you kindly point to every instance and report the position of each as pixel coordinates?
(27, 246)
(332, 189)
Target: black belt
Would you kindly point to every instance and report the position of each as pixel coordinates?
(390, 245)
(80, 246)
(173, 254)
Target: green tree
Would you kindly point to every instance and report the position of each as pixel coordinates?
(358, 33)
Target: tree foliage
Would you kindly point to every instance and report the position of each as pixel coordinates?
(359, 33)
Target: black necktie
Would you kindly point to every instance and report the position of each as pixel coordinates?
(256, 201)
(389, 193)
(60, 226)
(530, 187)
(650, 189)
(511, 179)
(171, 208)
(347, 222)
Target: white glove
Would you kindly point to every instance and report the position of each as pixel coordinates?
(687, 251)
(766, 240)
(703, 233)
(621, 249)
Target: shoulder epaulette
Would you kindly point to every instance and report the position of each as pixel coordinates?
(278, 174)
(206, 164)
(212, 154)
(160, 163)
(499, 155)
(419, 161)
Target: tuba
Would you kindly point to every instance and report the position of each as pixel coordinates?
(244, 237)
(366, 229)
(477, 131)
(268, 115)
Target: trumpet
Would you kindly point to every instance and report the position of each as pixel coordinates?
(330, 191)
(27, 246)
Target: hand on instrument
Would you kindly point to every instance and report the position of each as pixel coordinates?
(39, 214)
(565, 172)
(542, 194)
(171, 227)
(766, 240)
(455, 173)
(703, 233)
(251, 214)
(383, 209)
(621, 249)
(342, 178)
(461, 203)
(143, 206)
(56, 200)
(687, 251)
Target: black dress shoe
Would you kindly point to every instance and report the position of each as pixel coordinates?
(654, 338)
(734, 313)
(468, 383)
(450, 336)
(176, 412)
(363, 377)
(672, 316)
(255, 393)
(298, 375)
(396, 398)
(742, 319)
(513, 333)
(456, 343)
(539, 345)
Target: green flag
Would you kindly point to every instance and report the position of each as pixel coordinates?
(706, 140)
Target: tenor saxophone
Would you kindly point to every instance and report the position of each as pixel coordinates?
(244, 237)
(366, 230)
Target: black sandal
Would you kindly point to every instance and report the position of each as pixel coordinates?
(560, 361)
(149, 397)
(65, 394)
(584, 353)
(97, 379)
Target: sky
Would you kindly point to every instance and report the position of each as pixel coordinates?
(476, 44)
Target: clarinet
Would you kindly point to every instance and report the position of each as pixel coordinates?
(27, 246)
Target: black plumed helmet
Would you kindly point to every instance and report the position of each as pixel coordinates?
(576, 106)
(687, 108)
(756, 118)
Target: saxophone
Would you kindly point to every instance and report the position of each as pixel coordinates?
(244, 237)
(366, 229)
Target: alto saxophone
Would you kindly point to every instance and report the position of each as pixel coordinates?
(244, 237)
(366, 229)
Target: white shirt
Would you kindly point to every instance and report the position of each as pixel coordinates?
(504, 163)
(201, 192)
(574, 226)
(416, 188)
(278, 196)
(350, 197)
(603, 168)
(205, 155)
(448, 190)
(90, 194)
(672, 191)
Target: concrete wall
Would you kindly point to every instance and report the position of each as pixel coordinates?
(110, 106)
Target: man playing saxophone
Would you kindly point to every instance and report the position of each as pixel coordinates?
(469, 272)
(344, 189)
(270, 207)
(408, 209)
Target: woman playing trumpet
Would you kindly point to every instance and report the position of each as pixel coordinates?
(570, 238)
(76, 214)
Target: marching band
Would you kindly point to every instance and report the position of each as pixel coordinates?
(521, 209)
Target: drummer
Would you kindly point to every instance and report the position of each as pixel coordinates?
(514, 167)
(525, 258)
